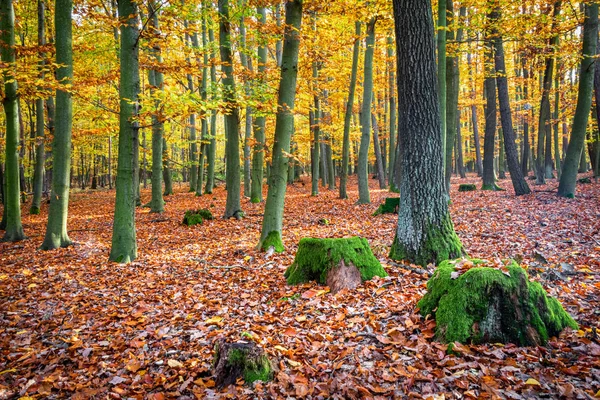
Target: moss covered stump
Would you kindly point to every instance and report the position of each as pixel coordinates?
(240, 360)
(338, 263)
(467, 187)
(483, 304)
(194, 217)
(390, 206)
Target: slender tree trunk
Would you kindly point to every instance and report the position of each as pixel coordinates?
(124, 246)
(555, 124)
(167, 174)
(424, 232)
(516, 176)
(247, 65)
(284, 125)
(233, 207)
(330, 168)
(40, 155)
(489, 145)
(323, 159)
(155, 79)
(393, 122)
(378, 159)
(212, 147)
(365, 115)
(474, 120)
(525, 156)
(568, 179)
(459, 149)
(316, 113)
(204, 116)
(14, 229)
(258, 154)
(501, 156)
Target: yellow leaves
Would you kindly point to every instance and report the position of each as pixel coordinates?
(174, 364)
(216, 320)
(532, 382)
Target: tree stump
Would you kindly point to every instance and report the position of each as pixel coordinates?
(477, 304)
(339, 263)
(240, 360)
(390, 206)
(467, 187)
(193, 217)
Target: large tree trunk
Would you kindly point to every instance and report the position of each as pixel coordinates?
(56, 230)
(124, 246)
(284, 125)
(441, 71)
(40, 155)
(516, 176)
(155, 79)
(424, 232)
(568, 179)
(14, 229)
(365, 116)
(233, 207)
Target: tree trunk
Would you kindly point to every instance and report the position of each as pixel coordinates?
(167, 175)
(124, 247)
(365, 116)
(525, 155)
(40, 155)
(204, 115)
(475, 121)
(212, 147)
(393, 122)
(14, 229)
(378, 160)
(516, 176)
(568, 179)
(233, 207)
(258, 154)
(441, 72)
(284, 125)
(459, 149)
(424, 232)
(316, 113)
(555, 124)
(155, 79)
(489, 145)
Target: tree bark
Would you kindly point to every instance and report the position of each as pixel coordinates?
(284, 125)
(212, 146)
(424, 232)
(124, 246)
(378, 158)
(393, 121)
(40, 155)
(568, 179)
(489, 177)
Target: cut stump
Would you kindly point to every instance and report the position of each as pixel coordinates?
(240, 360)
(390, 206)
(339, 263)
(467, 187)
(194, 217)
(472, 303)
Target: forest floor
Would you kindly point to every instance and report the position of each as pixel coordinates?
(73, 325)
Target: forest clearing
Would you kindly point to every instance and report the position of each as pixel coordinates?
(77, 326)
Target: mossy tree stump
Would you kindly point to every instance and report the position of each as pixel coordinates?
(240, 360)
(193, 217)
(338, 263)
(492, 305)
(390, 206)
(467, 187)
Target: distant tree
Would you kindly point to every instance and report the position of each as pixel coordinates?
(14, 229)
(424, 233)
(124, 246)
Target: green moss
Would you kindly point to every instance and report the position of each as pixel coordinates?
(252, 369)
(34, 210)
(487, 305)
(467, 187)
(493, 187)
(586, 180)
(389, 206)
(254, 200)
(439, 244)
(194, 217)
(273, 239)
(315, 257)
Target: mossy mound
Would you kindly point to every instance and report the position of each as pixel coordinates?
(492, 305)
(467, 187)
(240, 360)
(317, 257)
(390, 206)
(193, 217)
(584, 181)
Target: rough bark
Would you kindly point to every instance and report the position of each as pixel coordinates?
(424, 232)
(441, 71)
(568, 179)
(284, 126)
(124, 246)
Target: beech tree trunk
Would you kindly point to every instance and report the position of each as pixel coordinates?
(489, 145)
(56, 230)
(568, 179)
(510, 148)
(424, 232)
(378, 158)
(284, 126)
(124, 246)
(393, 121)
(233, 207)
(212, 147)
(365, 116)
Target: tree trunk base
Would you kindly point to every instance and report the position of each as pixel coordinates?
(340, 263)
(390, 206)
(240, 360)
(489, 305)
